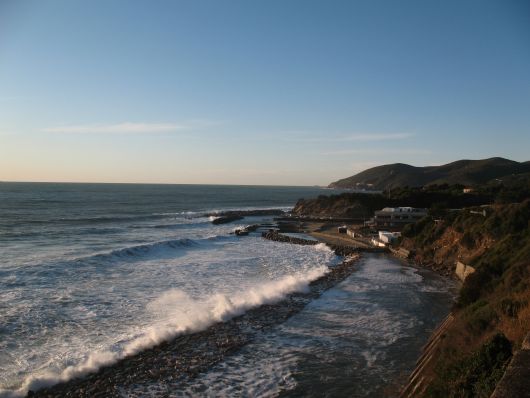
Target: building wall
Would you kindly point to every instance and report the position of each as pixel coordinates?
(398, 216)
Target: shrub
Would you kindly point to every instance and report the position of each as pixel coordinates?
(467, 240)
(481, 318)
(475, 375)
(472, 288)
(408, 231)
(438, 209)
(511, 307)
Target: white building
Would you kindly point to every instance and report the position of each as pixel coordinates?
(398, 216)
(388, 237)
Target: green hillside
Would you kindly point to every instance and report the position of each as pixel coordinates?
(464, 172)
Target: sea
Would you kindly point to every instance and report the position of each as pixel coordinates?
(92, 273)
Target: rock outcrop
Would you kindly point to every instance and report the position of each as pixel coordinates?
(278, 237)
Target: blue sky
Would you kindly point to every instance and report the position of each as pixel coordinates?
(258, 92)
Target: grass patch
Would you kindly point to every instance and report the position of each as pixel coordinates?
(475, 375)
(511, 307)
(479, 317)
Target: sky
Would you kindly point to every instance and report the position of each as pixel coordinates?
(258, 92)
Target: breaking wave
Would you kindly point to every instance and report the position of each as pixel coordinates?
(161, 249)
(323, 248)
(143, 250)
(177, 314)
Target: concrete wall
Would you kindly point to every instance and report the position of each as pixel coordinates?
(377, 243)
(463, 271)
(516, 379)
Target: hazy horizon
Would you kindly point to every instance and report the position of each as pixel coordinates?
(213, 184)
(297, 93)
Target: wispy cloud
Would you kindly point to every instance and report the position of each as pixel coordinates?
(362, 137)
(127, 128)
(378, 137)
(379, 151)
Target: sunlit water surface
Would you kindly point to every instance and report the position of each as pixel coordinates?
(90, 273)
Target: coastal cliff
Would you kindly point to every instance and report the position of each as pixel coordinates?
(486, 231)
(363, 205)
(339, 206)
(492, 314)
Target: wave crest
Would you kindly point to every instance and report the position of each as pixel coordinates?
(179, 314)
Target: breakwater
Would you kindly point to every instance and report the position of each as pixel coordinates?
(278, 237)
(339, 250)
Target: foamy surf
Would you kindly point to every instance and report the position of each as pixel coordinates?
(323, 248)
(346, 342)
(178, 314)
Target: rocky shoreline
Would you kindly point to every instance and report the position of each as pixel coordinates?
(339, 250)
(226, 217)
(186, 356)
(278, 237)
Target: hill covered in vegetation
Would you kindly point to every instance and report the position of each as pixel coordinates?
(487, 229)
(463, 172)
(492, 313)
(434, 197)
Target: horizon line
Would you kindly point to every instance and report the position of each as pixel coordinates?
(162, 183)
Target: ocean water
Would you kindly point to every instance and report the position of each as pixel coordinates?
(359, 339)
(90, 273)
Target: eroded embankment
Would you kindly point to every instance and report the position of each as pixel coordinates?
(188, 355)
(492, 313)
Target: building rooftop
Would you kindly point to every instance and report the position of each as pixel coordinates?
(402, 210)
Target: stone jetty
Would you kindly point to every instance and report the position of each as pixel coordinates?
(278, 237)
(235, 215)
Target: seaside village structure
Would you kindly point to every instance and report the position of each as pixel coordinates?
(388, 222)
(385, 238)
(397, 217)
(393, 219)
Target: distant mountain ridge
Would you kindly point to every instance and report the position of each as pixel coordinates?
(465, 172)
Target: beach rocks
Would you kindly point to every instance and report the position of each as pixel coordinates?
(344, 250)
(245, 231)
(289, 226)
(230, 216)
(226, 219)
(250, 213)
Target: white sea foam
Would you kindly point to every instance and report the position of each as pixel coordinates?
(183, 314)
(323, 248)
(344, 343)
(178, 313)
